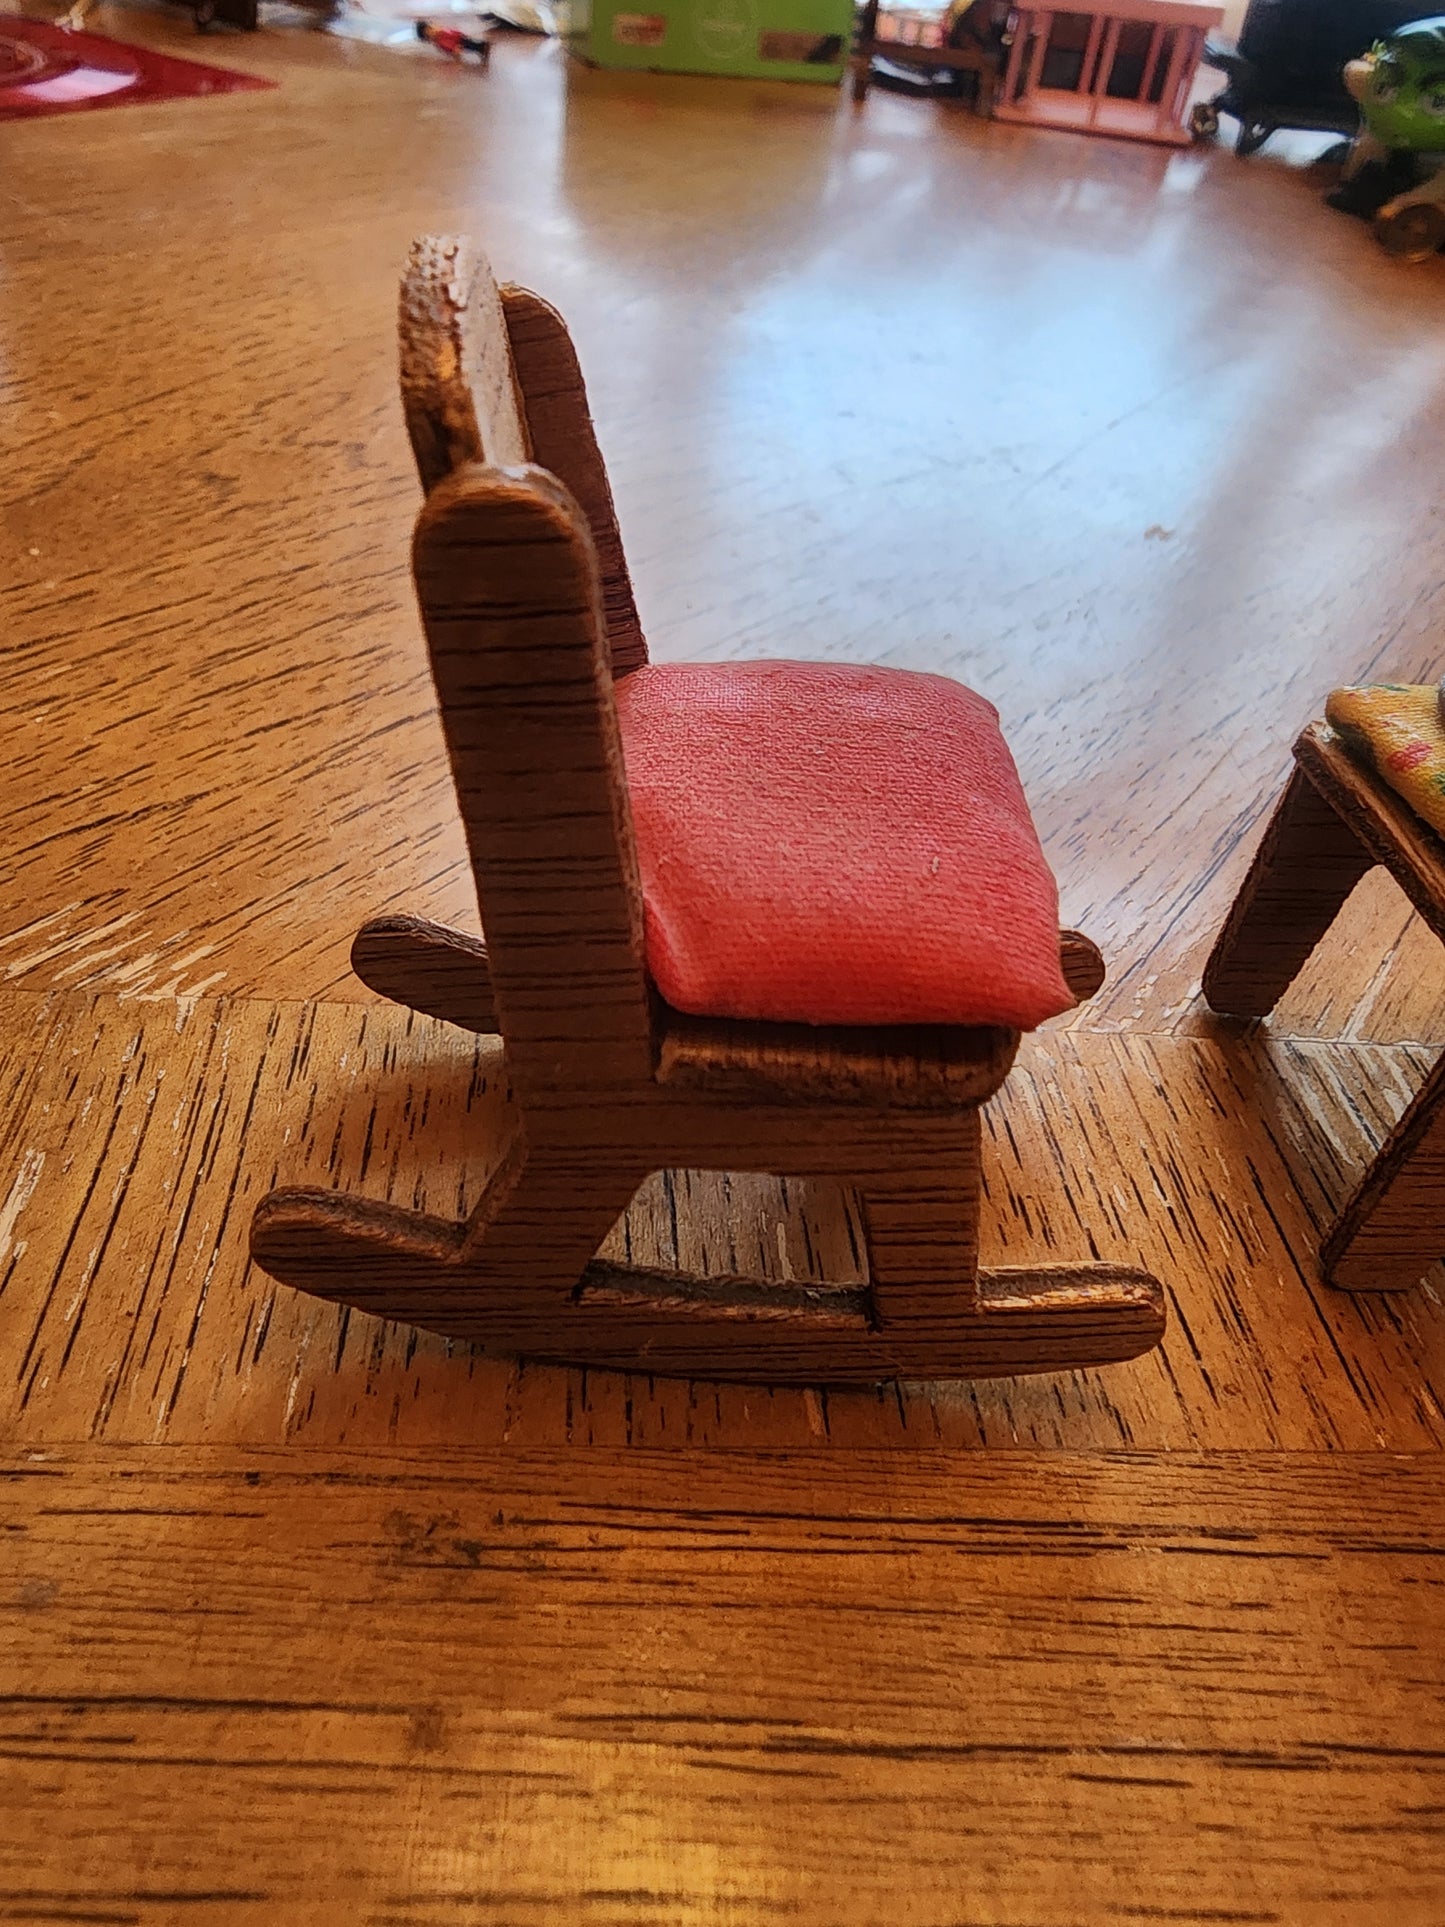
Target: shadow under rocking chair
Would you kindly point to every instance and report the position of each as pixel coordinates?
(551, 718)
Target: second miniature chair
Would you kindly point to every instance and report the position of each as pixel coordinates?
(1336, 820)
(603, 874)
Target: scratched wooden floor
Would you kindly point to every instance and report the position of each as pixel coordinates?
(311, 1619)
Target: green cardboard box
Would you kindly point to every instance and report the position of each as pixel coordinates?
(761, 39)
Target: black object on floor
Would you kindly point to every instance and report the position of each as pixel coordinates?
(1287, 69)
(1366, 193)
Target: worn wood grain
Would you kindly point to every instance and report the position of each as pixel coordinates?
(564, 442)
(1386, 827)
(140, 1136)
(427, 967)
(459, 391)
(245, 1686)
(490, 374)
(915, 1067)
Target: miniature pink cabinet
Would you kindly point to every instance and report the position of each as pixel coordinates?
(1125, 67)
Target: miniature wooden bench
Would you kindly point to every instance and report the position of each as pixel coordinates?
(1336, 821)
(530, 620)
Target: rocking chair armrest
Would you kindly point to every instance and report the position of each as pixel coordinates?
(427, 967)
(1082, 964)
(444, 973)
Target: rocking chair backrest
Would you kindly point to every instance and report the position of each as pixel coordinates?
(490, 375)
(507, 578)
(458, 386)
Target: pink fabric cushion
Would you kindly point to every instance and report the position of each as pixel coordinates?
(833, 845)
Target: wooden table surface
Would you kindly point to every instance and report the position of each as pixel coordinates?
(624, 1686)
(311, 1619)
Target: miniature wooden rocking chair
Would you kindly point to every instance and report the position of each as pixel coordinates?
(1335, 821)
(530, 620)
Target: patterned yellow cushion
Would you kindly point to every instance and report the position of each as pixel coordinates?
(1395, 729)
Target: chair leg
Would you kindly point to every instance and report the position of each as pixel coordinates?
(938, 1315)
(922, 1236)
(1307, 865)
(1393, 1227)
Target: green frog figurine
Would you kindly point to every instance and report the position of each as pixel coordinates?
(1396, 169)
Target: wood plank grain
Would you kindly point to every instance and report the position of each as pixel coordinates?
(490, 1687)
(140, 1136)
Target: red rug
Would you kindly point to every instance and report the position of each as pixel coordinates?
(46, 70)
